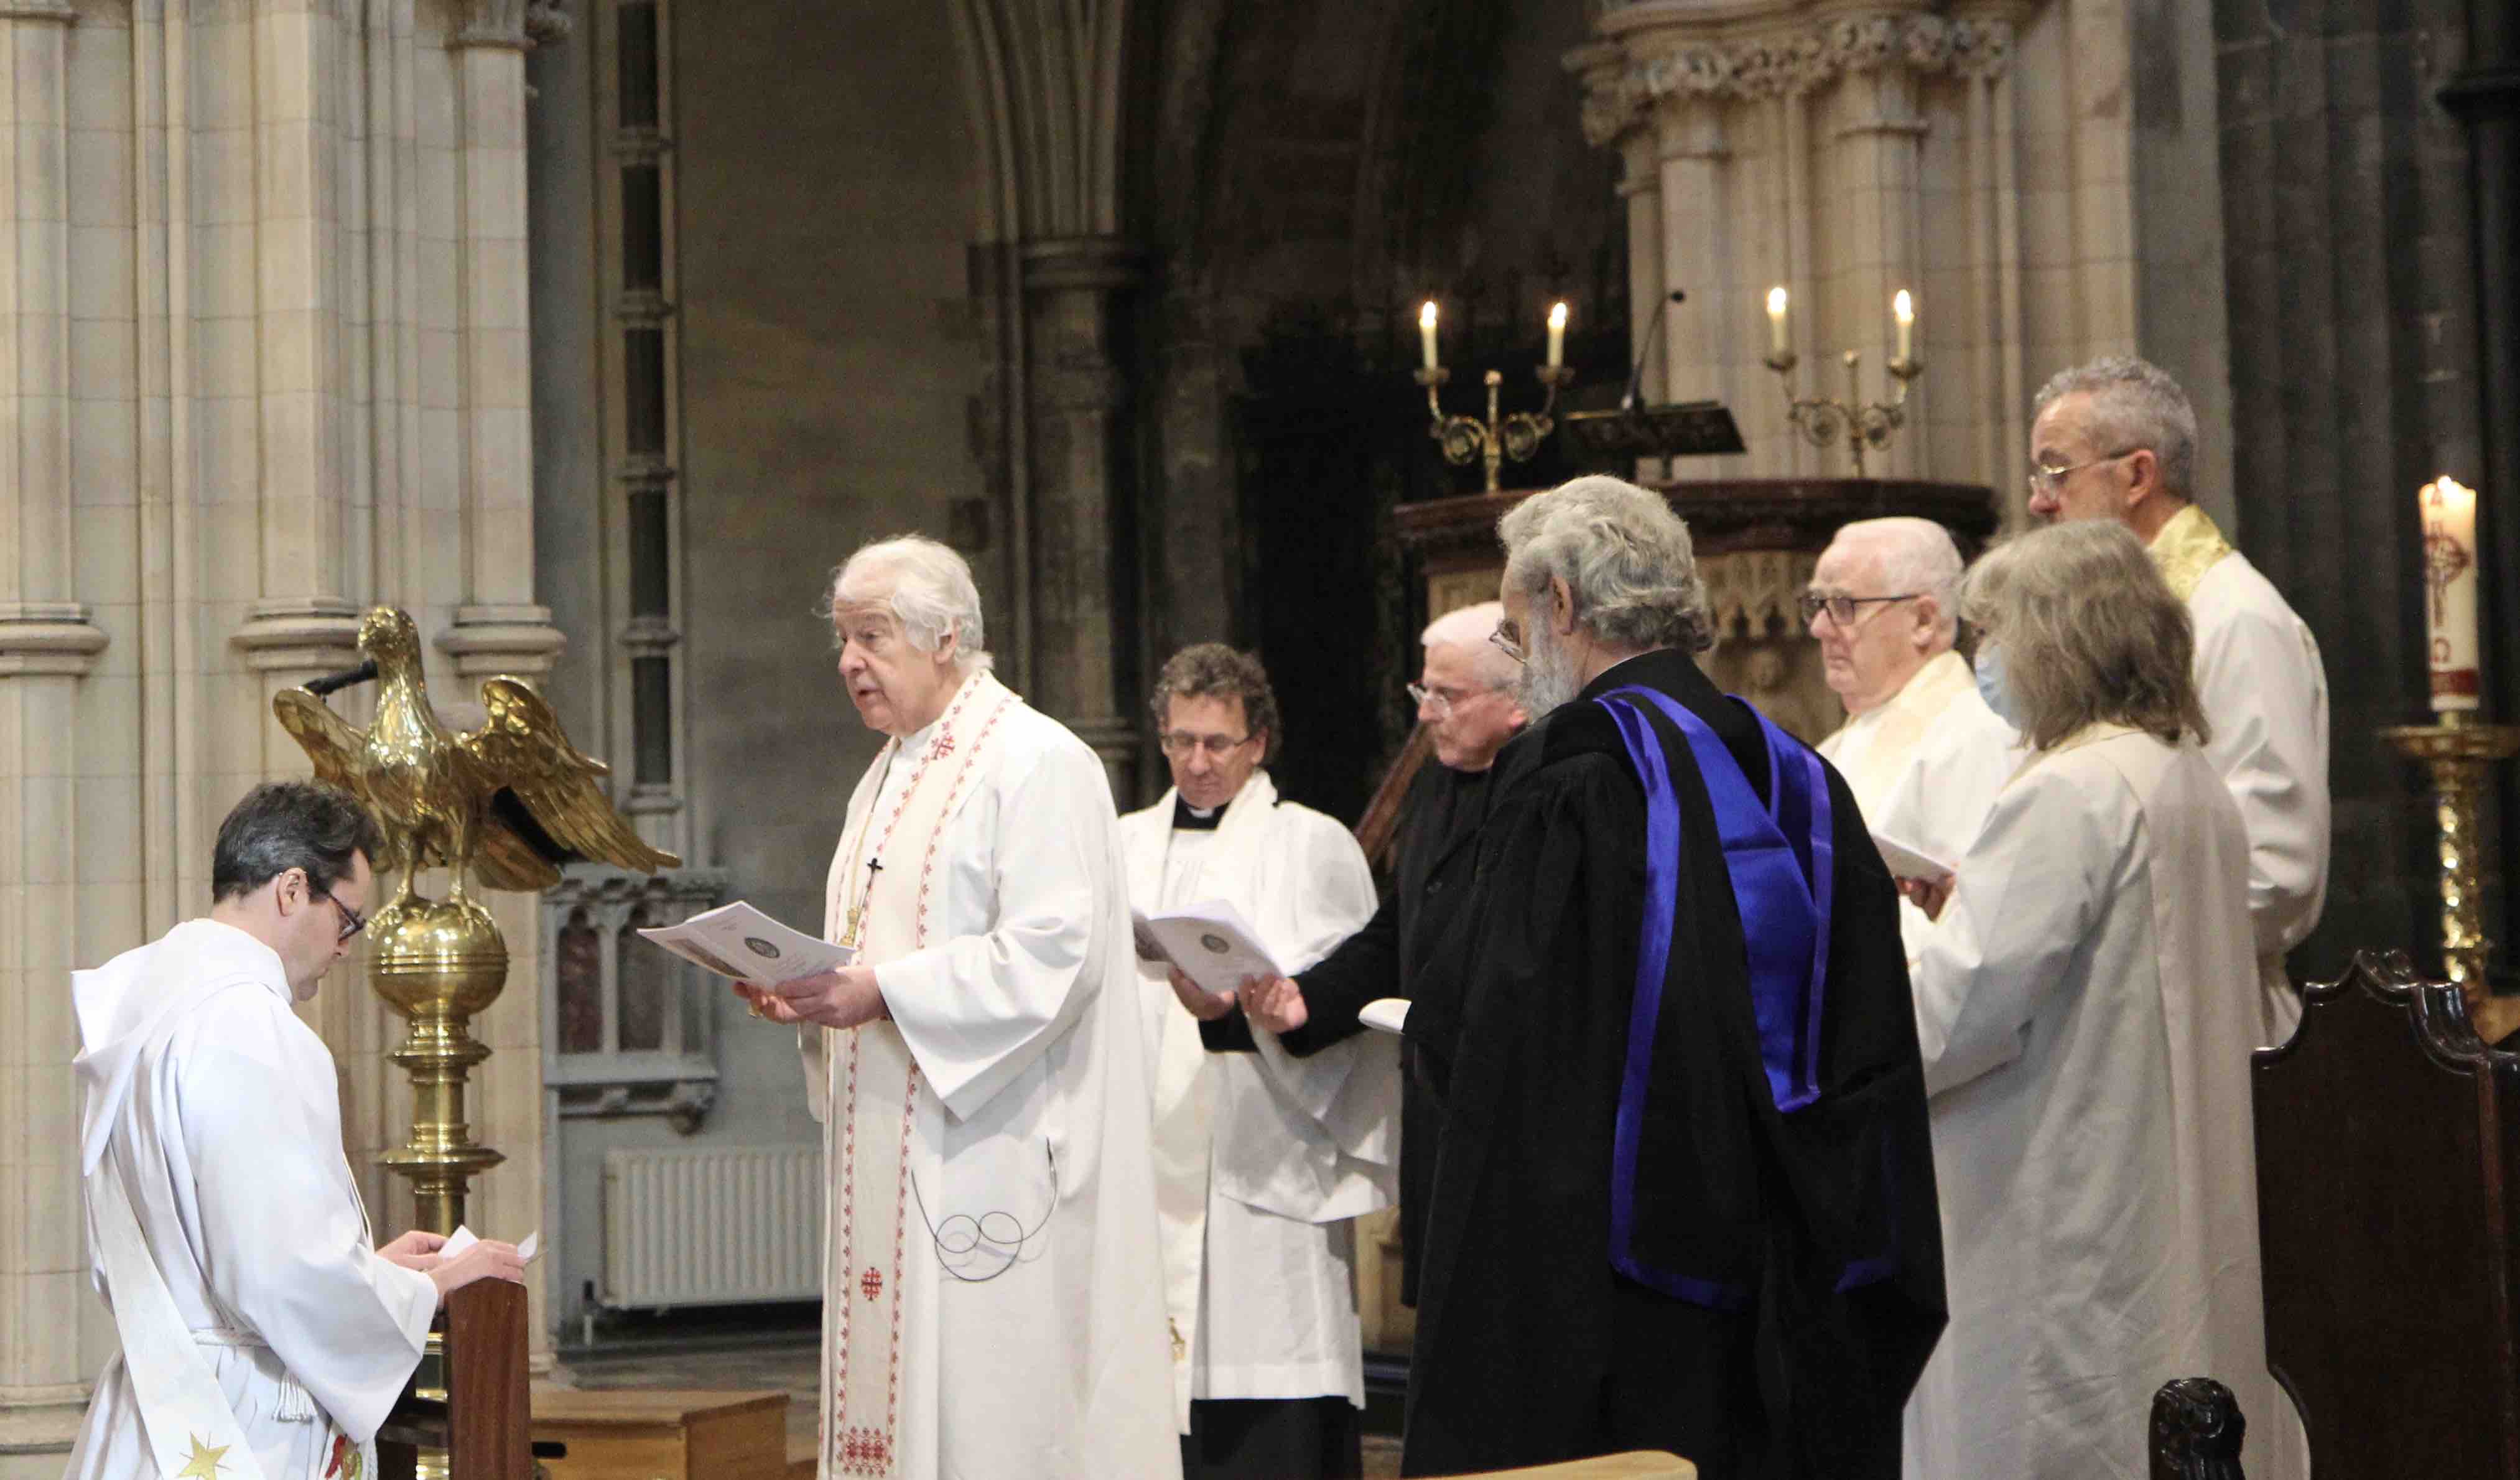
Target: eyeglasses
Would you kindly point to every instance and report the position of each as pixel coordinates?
(2048, 480)
(1842, 607)
(1180, 745)
(352, 921)
(1508, 638)
(1442, 699)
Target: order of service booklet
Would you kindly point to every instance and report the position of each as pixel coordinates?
(741, 944)
(1209, 942)
(1907, 861)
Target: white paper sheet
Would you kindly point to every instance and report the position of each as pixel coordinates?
(1388, 1013)
(1209, 942)
(741, 944)
(1907, 861)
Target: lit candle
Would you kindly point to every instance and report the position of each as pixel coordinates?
(1903, 309)
(1426, 331)
(2449, 586)
(1556, 335)
(1777, 319)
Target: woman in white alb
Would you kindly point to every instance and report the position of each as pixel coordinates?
(2086, 1005)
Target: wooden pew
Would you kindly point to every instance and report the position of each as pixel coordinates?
(482, 1422)
(2388, 1197)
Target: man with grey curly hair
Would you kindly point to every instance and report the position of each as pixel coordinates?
(1672, 1035)
(2116, 439)
(1263, 1159)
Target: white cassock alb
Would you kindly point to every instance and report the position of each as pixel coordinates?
(1925, 765)
(990, 1302)
(2265, 695)
(1262, 1158)
(2086, 1065)
(226, 1232)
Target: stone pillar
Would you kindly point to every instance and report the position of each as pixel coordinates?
(1693, 169)
(1077, 293)
(48, 645)
(1876, 139)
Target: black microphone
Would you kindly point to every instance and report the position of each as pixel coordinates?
(319, 686)
(1653, 325)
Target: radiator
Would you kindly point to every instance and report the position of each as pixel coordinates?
(712, 1227)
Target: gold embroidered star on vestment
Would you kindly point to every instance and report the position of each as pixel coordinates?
(202, 1463)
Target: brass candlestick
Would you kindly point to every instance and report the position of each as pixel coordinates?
(2459, 753)
(1516, 436)
(1855, 422)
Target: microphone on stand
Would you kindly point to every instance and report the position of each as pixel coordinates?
(1653, 325)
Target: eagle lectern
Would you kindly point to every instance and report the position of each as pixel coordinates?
(510, 800)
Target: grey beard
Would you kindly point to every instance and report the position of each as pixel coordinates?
(1548, 678)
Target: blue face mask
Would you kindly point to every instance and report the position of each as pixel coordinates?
(1992, 685)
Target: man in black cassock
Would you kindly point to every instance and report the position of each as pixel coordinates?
(1465, 699)
(1685, 1197)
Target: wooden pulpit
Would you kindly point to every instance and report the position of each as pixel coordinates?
(482, 1422)
(2388, 1198)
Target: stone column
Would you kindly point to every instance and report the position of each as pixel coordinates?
(1876, 140)
(1694, 172)
(48, 645)
(1075, 298)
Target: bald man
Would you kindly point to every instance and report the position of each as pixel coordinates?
(1920, 750)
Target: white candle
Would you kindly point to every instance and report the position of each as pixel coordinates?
(2450, 591)
(1426, 331)
(1777, 319)
(1903, 309)
(1556, 335)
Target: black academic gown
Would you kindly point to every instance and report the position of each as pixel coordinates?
(1530, 1347)
(1439, 821)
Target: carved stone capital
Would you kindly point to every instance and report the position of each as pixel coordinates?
(517, 640)
(48, 637)
(510, 25)
(1082, 262)
(315, 634)
(58, 12)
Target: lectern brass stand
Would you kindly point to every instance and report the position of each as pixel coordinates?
(509, 802)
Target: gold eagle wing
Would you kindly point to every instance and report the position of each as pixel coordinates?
(336, 747)
(544, 798)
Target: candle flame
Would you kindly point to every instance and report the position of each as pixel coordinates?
(1556, 316)
(1903, 307)
(1427, 315)
(1776, 301)
(2450, 490)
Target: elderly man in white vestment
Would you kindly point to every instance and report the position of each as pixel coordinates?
(262, 1337)
(992, 1303)
(1262, 1158)
(2115, 439)
(1920, 750)
(2086, 1055)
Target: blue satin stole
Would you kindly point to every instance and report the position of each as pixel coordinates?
(1780, 854)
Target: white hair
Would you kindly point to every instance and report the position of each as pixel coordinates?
(2135, 403)
(925, 584)
(1624, 555)
(1465, 630)
(1916, 556)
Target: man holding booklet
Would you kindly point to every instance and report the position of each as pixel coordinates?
(1261, 1158)
(979, 1069)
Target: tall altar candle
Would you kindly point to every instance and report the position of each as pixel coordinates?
(2450, 591)
(1426, 331)
(1777, 319)
(1903, 309)
(1556, 335)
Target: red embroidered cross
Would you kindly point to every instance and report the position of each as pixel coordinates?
(865, 1451)
(871, 1283)
(944, 744)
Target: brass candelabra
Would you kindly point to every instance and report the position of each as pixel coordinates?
(1855, 422)
(1517, 435)
(2459, 753)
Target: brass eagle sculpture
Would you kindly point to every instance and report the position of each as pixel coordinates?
(510, 800)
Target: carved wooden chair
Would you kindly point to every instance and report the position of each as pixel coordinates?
(484, 1422)
(2388, 1197)
(2196, 1431)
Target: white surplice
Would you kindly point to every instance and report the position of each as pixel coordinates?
(2263, 690)
(1925, 765)
(219, 1113)
(1043, 1353)
(1263, 1159)
(2086, 1062)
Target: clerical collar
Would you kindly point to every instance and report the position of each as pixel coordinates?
(1188, 819)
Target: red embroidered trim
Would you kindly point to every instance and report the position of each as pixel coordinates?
(865, 1451)
(871, 1283)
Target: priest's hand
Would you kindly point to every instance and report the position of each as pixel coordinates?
(1929, 894)
(1274, 1003)
(415, 1250)
(488, 1259)
(844, 999)
(1197, 1001)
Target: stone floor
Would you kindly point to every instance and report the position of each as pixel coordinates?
(787, 1361)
